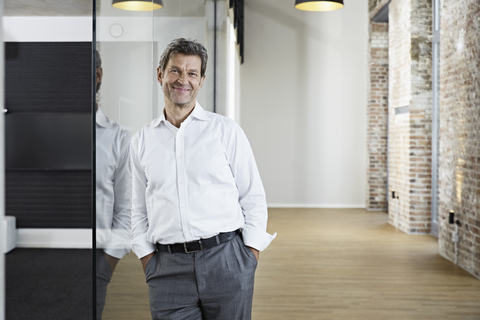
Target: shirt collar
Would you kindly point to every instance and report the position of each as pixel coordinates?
(102, 119)
(198, 113)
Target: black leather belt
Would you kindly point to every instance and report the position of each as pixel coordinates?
(197, 245)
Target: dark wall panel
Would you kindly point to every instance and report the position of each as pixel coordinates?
(48, 76)
(49, 199)
(48, 79)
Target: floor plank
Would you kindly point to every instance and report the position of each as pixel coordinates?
(335, 264)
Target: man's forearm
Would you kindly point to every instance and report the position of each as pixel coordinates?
(144, 260)
(256, 253)
(112, 261)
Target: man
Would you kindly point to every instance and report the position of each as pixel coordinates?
(113, 196)
(199, 212)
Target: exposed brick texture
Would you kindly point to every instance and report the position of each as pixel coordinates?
(459, 161)
(399, 126)
(377, 111)
(409, 134)
(420, 116)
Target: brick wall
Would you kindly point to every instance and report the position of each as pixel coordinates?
(420, 116)
(399, 124)
(377, 118)
(459, 161)
(410, 132)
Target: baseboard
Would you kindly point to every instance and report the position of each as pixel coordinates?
(469, 271)
(54, 238)
(8, 234)
(377, 210)
(317, 205)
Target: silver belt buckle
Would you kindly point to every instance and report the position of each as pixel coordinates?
(187, 250)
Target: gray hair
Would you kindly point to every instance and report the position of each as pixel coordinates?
(187, 47)
(98, 64)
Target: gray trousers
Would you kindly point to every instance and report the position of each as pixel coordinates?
(215, 283)
(104, 275)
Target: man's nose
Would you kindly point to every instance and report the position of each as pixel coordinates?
(182, 77)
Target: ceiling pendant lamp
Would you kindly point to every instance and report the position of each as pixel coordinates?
(137, 5)
(318, 5)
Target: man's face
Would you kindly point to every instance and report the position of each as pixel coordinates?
(181, 80)
(98, 75)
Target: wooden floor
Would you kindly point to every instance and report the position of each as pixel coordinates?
(335, 264)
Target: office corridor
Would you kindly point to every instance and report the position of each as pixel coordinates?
(337, 264)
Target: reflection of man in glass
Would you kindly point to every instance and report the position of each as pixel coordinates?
(197, 199)
(113, 196)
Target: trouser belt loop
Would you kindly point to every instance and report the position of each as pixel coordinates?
(217, 239)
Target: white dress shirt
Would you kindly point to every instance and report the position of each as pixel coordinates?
(113, 187)
(194, 182)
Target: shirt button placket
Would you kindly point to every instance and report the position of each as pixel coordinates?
(181, 178)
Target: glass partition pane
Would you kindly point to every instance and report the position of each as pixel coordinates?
(129, 46)
(124, 77)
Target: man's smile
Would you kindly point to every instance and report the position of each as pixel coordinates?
(181, 89)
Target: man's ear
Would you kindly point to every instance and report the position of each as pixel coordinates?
(98, 74)
(202, 80)
(159, 75)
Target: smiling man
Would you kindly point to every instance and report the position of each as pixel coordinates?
(181, 79)
(199, 213)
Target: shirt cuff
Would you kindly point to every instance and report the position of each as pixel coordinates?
(256, 238)
(117, 253)
(115, 243)
(141, 247)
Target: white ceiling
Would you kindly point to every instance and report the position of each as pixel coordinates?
(47, 7)
(172, 8)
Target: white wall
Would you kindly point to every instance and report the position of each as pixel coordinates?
(125, 45)
(47, 29)
(303, 101)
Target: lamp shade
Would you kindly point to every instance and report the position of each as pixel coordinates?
(137, 5)
(318, 5)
